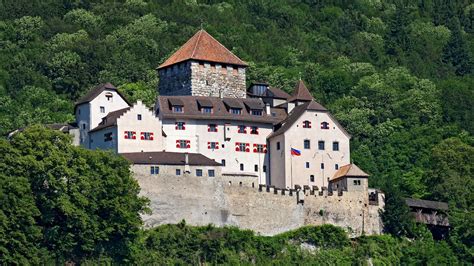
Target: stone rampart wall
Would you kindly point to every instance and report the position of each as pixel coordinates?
(265, 210)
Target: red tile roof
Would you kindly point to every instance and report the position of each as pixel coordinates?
(202, 46)
(301, 93)
(349, 170)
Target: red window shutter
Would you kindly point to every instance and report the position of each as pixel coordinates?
(217, 145)
(126, 135)
(237, 146)
(257, 130)
(142, 135)
(176, 126)
(188, 144)
(151, 135)
(209, 145)
(177, 144)
(247, 147)
(208, 128)
(134, 135)
(265, 148)
(184, 126)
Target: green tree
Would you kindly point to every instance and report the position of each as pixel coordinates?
(88, 200)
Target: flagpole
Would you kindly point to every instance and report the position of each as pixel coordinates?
(291, 154)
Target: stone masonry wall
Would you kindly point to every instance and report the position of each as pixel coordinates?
(202, 201)
(217, 80)
(175, 80)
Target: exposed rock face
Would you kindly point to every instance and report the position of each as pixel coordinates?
(203, 79)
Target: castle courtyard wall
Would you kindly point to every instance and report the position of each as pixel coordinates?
(267, 211)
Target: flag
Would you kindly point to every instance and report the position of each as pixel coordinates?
(295, 152)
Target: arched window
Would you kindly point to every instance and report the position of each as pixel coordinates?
(306, 124)
(324, 125)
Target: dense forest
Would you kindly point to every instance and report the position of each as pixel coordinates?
(399, 75)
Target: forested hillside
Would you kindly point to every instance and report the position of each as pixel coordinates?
(399, 75)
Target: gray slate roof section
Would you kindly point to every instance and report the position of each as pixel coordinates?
(427, 204)
(168, 158)
(110, 119)
(220, 110)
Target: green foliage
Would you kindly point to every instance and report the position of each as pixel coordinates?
(84, 202)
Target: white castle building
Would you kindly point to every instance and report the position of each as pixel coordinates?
(261, 134)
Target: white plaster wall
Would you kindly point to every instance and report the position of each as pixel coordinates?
(197, 132)
(149, 123)
(296, 172)
(83, 117)
(277, 161)
(97, 139)
(116, 103)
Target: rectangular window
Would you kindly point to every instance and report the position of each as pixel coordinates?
(180, 126)
(206, 110)
(241, 167)
(154, 170)
(306, 124)
(130, 135)
(139, 117)
(336, 166)
(356, 182)
(254, 130)
(311, 178)
(213, 145)
(259, 148)
(264, 168)
(307, 144)
(211, 173)
(278, 145)
(235, 111)
(256, 112)
(321, 145)
(212, 128)
(242, 147)
(322, 165)
(177, 109)
(108, 137)
(198, 172)
(335, 146)
(223, 162)
(178, 171)
(83, 126)
(242, 129)
(146, 136)
(307, 164)
(183, 144)
(102, 109)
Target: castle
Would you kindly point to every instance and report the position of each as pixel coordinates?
(214, 151)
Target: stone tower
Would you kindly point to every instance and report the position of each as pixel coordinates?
(203, 67)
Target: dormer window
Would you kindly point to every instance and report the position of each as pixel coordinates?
(306, 124)
(206, 110)
(256, 112)
(324, 125)
(109, 96)
(177, 109)
(235, 111)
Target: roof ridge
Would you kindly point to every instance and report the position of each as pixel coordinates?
(197, 42)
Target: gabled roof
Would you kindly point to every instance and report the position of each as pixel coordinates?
(296, 113)
(169, 158)
(278, 93)
(202, 46)
(301, 93)
(110, 119)
(92, 94)
(349, 170)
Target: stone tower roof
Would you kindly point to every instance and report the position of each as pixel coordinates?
(301, 93)
(202, 46)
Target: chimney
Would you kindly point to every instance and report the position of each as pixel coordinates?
(267, 109)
